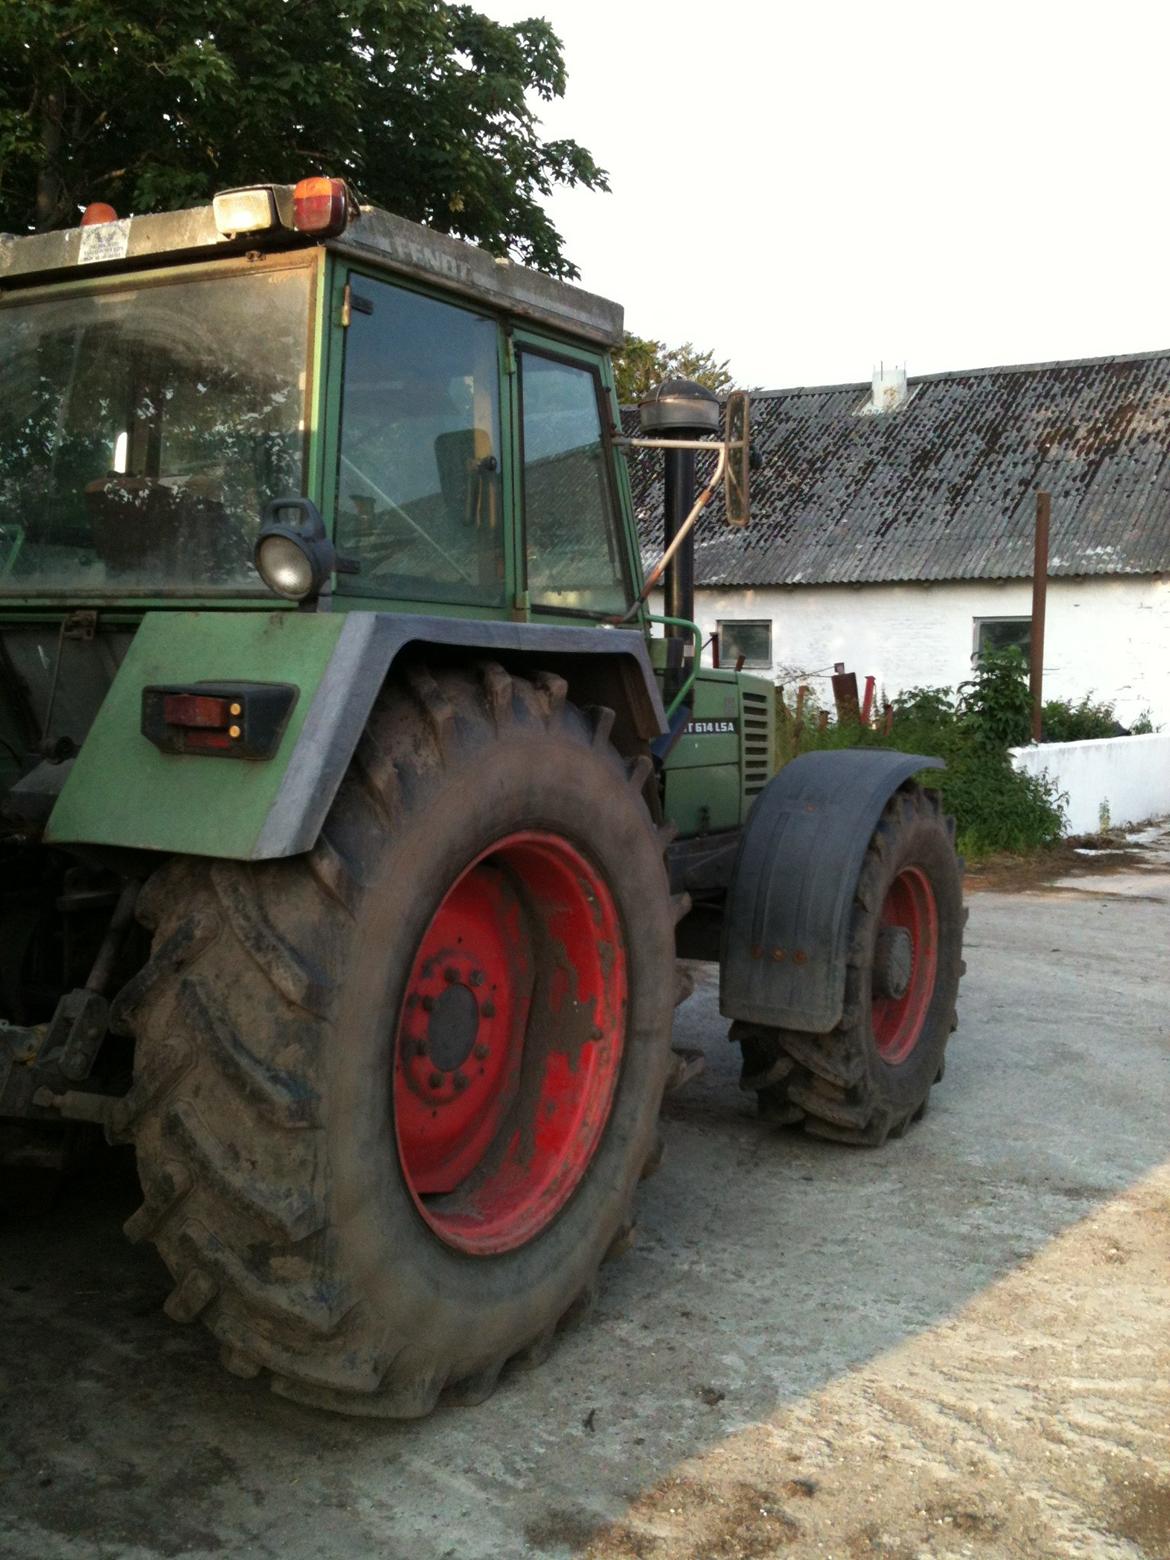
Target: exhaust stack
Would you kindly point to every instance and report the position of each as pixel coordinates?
(679, 409)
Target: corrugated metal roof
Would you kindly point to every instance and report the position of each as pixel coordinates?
(944, 487)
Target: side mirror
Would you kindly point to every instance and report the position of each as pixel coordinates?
(736, 472)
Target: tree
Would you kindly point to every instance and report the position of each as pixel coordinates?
(423, 105)
(641, 364)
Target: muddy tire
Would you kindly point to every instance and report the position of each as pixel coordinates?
(373, 1224)
(870, 1077)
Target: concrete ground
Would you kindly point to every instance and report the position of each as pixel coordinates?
(956, 1345)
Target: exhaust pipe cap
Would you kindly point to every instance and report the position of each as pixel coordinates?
(680, 406)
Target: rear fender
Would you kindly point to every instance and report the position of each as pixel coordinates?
(122, 791)
(786, 918)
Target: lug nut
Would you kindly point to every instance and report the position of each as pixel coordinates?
(460, 1081)
(450, 974)
(476, 977)
(436, 1080)
(482, 1053)
(428, 1004)
(488, 1009)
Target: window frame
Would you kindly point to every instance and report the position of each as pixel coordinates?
(595, 363)
(978, 623)
(768, 623)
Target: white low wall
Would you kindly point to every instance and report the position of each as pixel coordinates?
(1111, 782)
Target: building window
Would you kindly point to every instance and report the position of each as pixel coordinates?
(752, 640)
(1002, 634)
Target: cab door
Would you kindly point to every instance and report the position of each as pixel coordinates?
(575, 556)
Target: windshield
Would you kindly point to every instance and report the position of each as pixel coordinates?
(143, 427)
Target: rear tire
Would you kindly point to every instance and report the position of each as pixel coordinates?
(870, 1077)
(274, 1025)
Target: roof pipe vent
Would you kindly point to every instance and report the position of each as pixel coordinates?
(890, 392)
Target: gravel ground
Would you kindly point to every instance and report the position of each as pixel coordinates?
(956, 1345)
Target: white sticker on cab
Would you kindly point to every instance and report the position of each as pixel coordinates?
(104, 241)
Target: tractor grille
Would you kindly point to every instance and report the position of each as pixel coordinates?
(756, 740)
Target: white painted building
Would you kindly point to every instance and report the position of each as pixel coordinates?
(1107, 636)
(892, 530)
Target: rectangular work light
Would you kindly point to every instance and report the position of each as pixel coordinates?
(245, 211)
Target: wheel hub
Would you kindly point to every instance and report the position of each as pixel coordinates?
(453, 1027)
(905, 964)
(509, 1043)
(447, 1030)
(893, 961)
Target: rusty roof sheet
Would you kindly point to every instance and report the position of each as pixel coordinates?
(944, 487)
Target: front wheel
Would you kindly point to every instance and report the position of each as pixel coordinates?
(392, 1099)
(870, 1077)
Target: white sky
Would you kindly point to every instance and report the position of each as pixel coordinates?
(809, 188)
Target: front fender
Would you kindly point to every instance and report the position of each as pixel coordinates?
(123, 791)
(786, 919)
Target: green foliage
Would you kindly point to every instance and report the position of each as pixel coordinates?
(996, 807)
(1063, 721)
(641, 364)
(927, 706)
(424, 106)
(1143, 726)
(995, 707)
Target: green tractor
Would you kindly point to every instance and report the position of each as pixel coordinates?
(355, 814)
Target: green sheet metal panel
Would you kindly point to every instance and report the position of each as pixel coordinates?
(703, 790)
(701, 801)
(123, 791)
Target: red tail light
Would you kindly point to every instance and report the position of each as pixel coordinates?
(196, 709)
(320, 206)
(236, 720)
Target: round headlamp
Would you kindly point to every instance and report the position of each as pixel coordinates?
(293, 556)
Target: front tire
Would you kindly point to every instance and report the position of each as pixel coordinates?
(392, 1099)
(870, 1077)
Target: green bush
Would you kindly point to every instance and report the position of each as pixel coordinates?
(996, 807)
(927, 706)
(995, 707)
(1063, 721)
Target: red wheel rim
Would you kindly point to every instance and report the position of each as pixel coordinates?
(898, 1021)
(509, 1043)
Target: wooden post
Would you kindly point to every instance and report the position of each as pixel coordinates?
(845, 695)
(1039, 600)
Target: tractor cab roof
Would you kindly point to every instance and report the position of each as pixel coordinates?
(370, 236)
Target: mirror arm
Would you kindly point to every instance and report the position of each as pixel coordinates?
(714, 445)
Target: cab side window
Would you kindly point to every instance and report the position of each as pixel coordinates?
(418, 484)
(572, 545)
